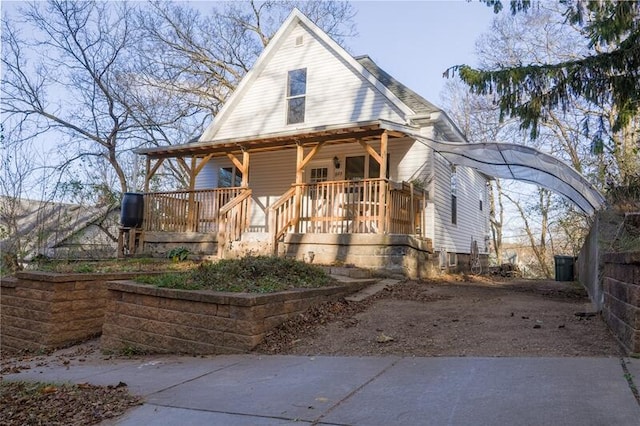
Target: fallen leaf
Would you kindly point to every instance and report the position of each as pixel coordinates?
(48, 389)
(383, 338)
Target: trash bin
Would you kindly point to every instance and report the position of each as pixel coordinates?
(564, 267)
(132, 210)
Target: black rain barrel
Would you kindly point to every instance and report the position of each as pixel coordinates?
(564, 268)
(132, 210)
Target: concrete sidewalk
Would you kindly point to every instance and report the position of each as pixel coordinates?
(283, 390)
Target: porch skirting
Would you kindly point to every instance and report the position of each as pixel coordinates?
(158, 244)
(392, 253)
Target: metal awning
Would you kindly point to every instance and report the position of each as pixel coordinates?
(522, 163)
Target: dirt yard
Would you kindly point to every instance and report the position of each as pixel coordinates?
(449, 317)
(453, 317)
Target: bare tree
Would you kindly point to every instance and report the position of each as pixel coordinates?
(105, 78)
(22, 174)
(67, 76)
(496, 219)
(567, 132)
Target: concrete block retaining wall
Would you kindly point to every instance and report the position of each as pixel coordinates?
(158, 320)
(41, 310)
(621, 310)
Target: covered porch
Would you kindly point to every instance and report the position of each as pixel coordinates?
(223, 215)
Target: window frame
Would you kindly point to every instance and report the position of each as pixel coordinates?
(296, 97)
(235, 177)
(367, 169)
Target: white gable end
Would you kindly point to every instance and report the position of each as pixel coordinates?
(336, 93)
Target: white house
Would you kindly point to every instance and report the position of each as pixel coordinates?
(315, 155)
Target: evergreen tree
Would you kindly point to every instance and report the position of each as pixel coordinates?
(610, 74)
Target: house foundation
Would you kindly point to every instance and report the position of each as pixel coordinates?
(402, 254)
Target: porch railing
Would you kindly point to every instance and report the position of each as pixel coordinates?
(406, 210)
(282, 214)
(234, 220)
(186, 211)
(337, 207)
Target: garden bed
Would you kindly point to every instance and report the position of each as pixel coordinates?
(142, 318)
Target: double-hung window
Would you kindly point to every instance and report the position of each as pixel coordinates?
(296, 95)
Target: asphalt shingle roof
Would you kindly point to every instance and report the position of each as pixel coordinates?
(410, 98)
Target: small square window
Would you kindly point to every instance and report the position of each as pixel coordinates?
(319, 174)
(453, 259)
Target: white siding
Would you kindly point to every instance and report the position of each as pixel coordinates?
(208, 176)
(471, 222)
(336, 94)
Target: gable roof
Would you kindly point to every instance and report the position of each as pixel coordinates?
(412, 105)
(370, 73)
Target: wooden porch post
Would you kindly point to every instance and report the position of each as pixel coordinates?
(298, 194)
(191, 217)
(242, 166)
(147, 176)
(384, 198)
(245, 166)
(151, 171)
(301, 163)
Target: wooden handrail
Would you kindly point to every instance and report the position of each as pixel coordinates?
(232, 225)
(274, 215)
(234, 202)
(284, 198)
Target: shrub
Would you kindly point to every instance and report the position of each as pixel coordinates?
(178, 254)
(252, 274)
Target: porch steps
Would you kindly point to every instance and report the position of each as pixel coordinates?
(371, 290)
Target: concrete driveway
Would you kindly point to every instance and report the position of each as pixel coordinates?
(283, 390)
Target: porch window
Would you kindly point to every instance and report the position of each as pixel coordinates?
(296, 95)
(374, 168)
(319, 174)
(355, 167)
(229, 177)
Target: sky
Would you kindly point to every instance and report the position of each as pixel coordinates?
(416, 41)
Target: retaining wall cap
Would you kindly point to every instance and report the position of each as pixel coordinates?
(9, 282)
(61, 277)
(229, 298)
(630, 257)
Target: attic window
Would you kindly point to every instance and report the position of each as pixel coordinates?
(299, 41)
(296, 95)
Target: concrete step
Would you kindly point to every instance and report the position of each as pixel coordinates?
(348, 272)
(371, 290)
